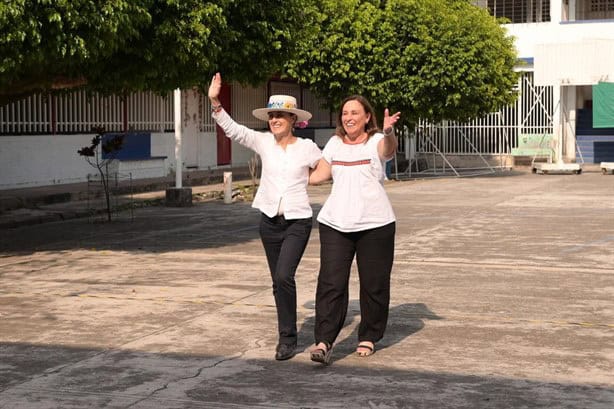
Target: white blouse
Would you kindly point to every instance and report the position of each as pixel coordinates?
(285, 173)
(357, 200)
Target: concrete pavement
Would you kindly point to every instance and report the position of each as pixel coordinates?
(502, 297)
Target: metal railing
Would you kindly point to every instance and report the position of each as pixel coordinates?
(495, 133)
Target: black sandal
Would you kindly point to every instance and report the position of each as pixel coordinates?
(321, 355)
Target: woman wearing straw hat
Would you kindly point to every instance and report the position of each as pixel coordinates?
(286, 220)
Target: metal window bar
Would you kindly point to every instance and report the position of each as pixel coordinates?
(594, 9)
(518, 11)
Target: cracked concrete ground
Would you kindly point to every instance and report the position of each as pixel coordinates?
(502, 297)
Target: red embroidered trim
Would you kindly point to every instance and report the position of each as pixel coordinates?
(353, 163)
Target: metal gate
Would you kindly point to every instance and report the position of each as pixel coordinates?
(484, 139)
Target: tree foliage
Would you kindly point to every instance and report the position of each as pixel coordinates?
(117, 46)
(431, 59)
(57, 44)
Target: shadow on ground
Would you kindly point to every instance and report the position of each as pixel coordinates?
(60, 376)
(156, 229)
(403, 321)
(153, 229)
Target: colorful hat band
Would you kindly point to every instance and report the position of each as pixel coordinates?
(281, 105)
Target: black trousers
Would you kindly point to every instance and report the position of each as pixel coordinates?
(284, 243)
(374, 251)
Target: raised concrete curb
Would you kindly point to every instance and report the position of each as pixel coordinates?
(24, 207)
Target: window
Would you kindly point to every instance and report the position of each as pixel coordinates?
(594, 9)
(518, 11)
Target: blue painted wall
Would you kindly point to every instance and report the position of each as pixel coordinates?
(137, 145)
(596, 144)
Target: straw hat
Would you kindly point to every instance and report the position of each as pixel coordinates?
(281, 103)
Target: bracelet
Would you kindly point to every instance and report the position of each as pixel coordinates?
(389, 131)
(216, 108)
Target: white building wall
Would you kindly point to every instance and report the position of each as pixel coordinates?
(42, 160)
(39, 160)
(527, 36)
(163, 144)
(207, 150)
(566, 55)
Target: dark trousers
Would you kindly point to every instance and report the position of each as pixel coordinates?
(284, 244)
(374, 251)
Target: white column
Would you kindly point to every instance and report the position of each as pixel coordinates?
(557, 122)
(191, 128)
(556, 11)
(569, 123)
(178, 131)
(519, 105)
(572, 10)
(227, 187)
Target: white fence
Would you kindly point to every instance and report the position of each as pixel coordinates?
(79, 111)
(30, 115)
(493, 134)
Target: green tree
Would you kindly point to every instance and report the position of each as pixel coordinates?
(431, 59)
(57, 44)
(333, 58)
(117, 46)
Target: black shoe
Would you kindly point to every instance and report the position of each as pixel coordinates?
(285, 351)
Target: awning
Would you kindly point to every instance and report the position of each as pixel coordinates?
(585, 62)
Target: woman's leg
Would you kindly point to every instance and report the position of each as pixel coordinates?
(374, 256)
(292, 249)
(336, 255)
(284, 242)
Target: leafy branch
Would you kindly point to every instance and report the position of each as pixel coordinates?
(100, 158)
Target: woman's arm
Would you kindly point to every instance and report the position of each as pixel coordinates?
(214, 92)
(388, 145)
(321, 173)
(239, 133)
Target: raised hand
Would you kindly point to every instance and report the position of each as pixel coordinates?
(390, 120)
(215, 87)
